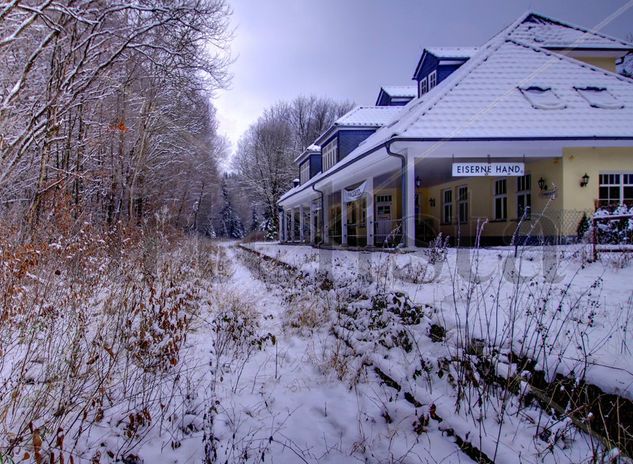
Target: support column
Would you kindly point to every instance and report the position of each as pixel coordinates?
(410, 203)
(326, 217)
(281, 225)
(312, 228)
(301, 224)
(292, 224)
(369, 220)
(343, 219)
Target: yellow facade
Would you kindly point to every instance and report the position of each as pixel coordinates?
(562, 204)
(593, 162)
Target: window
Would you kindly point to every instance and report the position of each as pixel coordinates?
(462, 204)
(501, 200)
(423, 87)
(330, 155)
(304, 172)
(524, 195)
(542, 98)
(447, 206)
(616, 189)
(432, 79)
(599, 97)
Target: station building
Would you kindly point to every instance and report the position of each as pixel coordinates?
(521, 136)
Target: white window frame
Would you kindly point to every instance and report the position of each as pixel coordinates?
(619, 180)
(330, 154)
(462, 204)
(432, 80)
(524, 190)
(447, 206)
(502, 197)
(304, 173)
(423, 87)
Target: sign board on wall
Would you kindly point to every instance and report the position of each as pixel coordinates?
(488, 169)
(354, 194)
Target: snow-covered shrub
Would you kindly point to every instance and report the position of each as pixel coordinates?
(306, 314)
(616, 231)
(235, 326)
(382, 320)
(436, 252)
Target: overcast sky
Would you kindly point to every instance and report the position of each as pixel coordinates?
(347, 49)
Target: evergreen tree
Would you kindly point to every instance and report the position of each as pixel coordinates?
(231, 224)
(209, 229)
(268, 227)
(254, 220)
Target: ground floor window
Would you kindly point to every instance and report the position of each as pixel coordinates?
(501, 200)
(447, 206)
(616, 189)
(462, 205)
(524, 195)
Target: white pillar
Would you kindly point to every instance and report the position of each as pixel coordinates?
(343, 219)
(369, 220)
(410, 210)
(292, 224)
(312, 228)
(326, 217)
(281, 225)
(301, 224)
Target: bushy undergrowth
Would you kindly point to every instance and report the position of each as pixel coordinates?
(92, 325)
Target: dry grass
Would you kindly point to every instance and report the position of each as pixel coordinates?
(91, 330)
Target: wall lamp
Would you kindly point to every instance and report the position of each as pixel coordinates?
(541, 184)
(418, 182)
(432, 202)
(584, 180)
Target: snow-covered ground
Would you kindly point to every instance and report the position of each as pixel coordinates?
(279, 404)
(592, 302)
(340, 357)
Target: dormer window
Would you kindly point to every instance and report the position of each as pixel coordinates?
(599, 97)
(432, 79)
(542, 98)
(330, 155)
(304, 172)
(423, 86)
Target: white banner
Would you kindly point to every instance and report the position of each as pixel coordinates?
(354, 194)
(488, 169)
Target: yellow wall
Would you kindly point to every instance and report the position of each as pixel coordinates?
(592, 161)
(600, 62)
(481, 203)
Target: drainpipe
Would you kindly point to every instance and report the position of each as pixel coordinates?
(403, 172)
(322, 214)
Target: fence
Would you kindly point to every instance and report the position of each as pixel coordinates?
(611, 233)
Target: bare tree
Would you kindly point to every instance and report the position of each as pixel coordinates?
(103, 104)
(265, 153)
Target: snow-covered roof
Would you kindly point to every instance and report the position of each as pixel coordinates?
(368, 116)
(311, 150)
(548, 33)
(362, 117)
(452, 52)
(483, 98)
(400, 91)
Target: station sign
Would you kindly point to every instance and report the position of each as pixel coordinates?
(488, 169)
